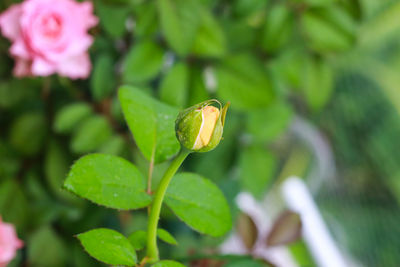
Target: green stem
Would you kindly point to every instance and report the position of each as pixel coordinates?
(152, 249)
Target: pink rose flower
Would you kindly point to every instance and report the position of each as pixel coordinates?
(49, 36)
(9, 243)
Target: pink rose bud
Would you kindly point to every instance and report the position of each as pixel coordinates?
(49, 36)
(9, 243)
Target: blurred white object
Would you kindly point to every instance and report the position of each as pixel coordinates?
(210, 80)
(324, 170)
(297, 198)
(279, 255)
(315, 233)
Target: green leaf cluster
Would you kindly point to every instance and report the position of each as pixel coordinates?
(277, 62)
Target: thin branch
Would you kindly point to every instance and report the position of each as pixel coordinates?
(151, 168)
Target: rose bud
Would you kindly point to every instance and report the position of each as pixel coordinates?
(200, 127)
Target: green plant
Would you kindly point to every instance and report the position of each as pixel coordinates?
(332, 62)
(114, 182)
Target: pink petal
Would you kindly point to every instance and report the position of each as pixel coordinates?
(9, 22)
(86, 10)
(18, 49)
(80, 45)
(9, 242)
(19, 243)
(22, 68)
(77, 46)
(41, 67)
(76, 67)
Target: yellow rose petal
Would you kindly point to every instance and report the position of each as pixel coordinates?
(210, 116)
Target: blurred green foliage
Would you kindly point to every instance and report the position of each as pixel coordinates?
(333, 62)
